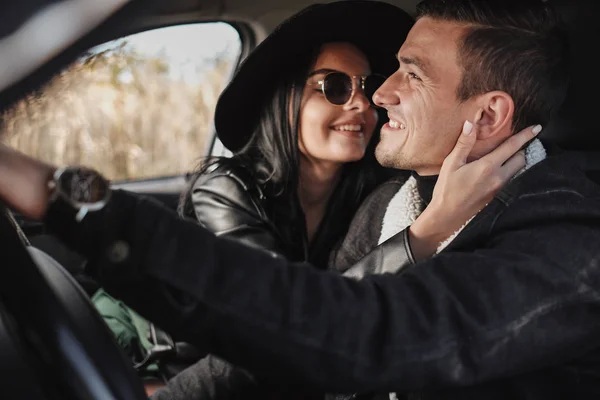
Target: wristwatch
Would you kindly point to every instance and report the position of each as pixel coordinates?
(78, 190)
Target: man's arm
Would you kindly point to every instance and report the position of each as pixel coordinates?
(459, 318)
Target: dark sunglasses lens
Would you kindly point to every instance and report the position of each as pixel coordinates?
(372, 83)
(337, 88)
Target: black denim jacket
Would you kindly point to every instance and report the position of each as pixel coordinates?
(510, 309)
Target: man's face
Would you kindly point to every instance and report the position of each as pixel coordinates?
(425, 115)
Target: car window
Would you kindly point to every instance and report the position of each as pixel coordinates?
(134, 108)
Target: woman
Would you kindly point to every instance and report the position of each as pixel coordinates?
(299, 120)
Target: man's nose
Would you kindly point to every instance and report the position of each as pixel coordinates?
(386, 94)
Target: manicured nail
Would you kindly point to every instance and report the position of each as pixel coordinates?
(536, 129)
(467, 128)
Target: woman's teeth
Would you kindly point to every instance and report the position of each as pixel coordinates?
(351, 128)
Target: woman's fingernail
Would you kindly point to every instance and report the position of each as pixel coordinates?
(467, 128)
(536, 129)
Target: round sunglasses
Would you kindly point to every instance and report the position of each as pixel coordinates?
(338, 87)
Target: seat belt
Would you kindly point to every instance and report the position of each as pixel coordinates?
(17, 227)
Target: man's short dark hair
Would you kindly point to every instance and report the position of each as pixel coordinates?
(516, 46)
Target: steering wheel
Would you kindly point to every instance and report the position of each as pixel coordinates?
(49, 321)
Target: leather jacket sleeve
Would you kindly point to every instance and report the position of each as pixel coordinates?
(462, 317)
(228, 205)
(364, 231)
(391, 256)
(358, 255)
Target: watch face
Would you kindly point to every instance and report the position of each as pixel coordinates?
(83, 185)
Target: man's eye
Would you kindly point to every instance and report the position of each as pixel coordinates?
(412, 75)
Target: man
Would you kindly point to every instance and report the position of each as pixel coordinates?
(508, 308)
(512, 67)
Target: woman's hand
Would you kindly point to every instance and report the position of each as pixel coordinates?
(24, 183)
(464, 188)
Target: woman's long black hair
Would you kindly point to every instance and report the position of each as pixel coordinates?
(272, 157)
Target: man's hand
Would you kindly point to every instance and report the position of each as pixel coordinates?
(24, 183)
(464, 188)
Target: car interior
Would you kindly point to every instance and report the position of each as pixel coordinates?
(53, 342)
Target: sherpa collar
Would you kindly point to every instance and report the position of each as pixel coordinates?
(407, 205)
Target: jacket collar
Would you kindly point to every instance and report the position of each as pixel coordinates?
(407, 204)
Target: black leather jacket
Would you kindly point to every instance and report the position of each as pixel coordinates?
(227, 201)
(509, 310)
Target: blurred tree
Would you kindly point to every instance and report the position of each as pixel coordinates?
(120, 112)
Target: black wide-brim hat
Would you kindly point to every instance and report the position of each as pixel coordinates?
(375, 27)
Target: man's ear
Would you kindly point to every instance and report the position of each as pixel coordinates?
(497, 111)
